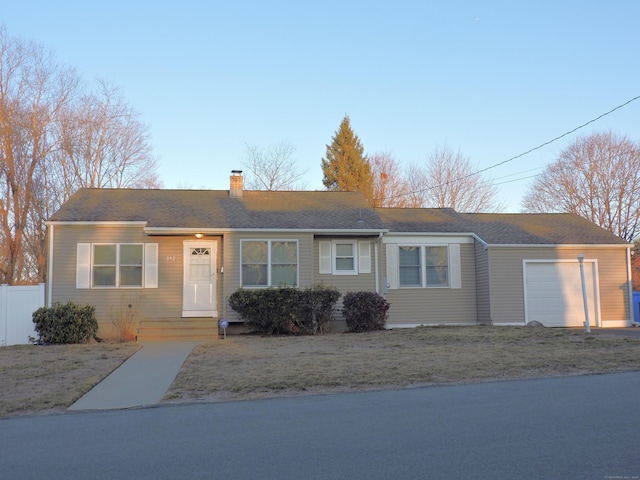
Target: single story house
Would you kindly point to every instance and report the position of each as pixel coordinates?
(177, 255)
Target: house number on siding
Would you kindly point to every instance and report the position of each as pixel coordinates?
(170, 258)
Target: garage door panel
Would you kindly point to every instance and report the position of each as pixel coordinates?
(553, 292)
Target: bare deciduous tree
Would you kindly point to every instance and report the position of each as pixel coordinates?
(33, 92)
(52, 142)
(598, 178)
(451, 182)
(390, 186)
(272, 168)
(104, 144)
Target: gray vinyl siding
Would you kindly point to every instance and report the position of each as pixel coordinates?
(164, 302)
(362, 282)
(482, 283)
(438, 306)
(507, 282)
(232, 263)
(345, 283)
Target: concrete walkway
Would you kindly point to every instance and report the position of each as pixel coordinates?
(141, 380)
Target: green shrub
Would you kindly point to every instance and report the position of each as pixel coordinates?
(365, 311)
(65, 323)
(316, 307)
(286, 310)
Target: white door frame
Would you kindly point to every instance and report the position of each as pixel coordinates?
(199, 297)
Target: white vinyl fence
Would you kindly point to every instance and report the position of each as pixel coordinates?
(17, 304)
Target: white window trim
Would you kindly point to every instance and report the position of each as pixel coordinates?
(423, 270)
(269, 242)
(334, 257)
(85, 264)
(327, 257)
(454, 280)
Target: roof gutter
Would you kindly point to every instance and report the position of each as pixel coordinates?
(220, 231)
(555, 245)
(136, 223)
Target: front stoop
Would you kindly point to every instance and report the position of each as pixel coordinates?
(181, 330)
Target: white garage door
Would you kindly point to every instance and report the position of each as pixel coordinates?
(553, 293)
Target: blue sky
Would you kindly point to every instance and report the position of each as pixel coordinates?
(490, 78)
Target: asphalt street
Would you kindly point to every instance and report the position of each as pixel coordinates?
(585, 427)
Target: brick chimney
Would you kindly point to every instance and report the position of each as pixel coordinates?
(235, 184)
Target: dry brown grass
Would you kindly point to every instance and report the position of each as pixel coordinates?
(44, 379)
(38, 379)
(243, 367)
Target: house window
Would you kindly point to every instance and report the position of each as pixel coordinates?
(267, 263)
(345, 260)
(410, 267)
(436, 266)
(423, 265)
(344, 257)
(117, 265)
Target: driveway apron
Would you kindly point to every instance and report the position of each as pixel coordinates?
(141, 380)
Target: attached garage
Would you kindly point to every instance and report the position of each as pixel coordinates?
(553, 292)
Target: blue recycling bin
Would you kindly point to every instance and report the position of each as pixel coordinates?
(636, 307)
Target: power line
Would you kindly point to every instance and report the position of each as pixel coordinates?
(521, 154)
(557, 138)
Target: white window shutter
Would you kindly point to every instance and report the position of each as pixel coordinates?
(83, 265)
(392, 265)
(455, 274)
(364, 257)
(324, 257)
(150, 265)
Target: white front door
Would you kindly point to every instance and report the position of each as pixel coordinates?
(199, 294)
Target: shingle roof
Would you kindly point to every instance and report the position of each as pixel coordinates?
(320, 211)
(539, 228)
(436, 220)
(205, 209)
(501, 228)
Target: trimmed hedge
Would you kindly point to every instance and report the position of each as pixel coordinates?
(365, 311)
(66, 323)
(286, 310)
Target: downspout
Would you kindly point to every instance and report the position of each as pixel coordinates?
(376, 266)
(50, 267)
(630, 288)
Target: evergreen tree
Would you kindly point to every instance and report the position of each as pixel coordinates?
(345, 166)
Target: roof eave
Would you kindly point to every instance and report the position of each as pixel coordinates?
(136, 223)
(220, 231)
(557, 245)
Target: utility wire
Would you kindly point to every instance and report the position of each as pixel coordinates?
(557, 138)
(521, 154)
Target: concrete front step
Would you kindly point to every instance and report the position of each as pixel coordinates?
(186, 329)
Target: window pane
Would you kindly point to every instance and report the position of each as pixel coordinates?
(199, 272)
(410, 268)
(284, 268)
(344, 264)
(437, 276)
(104, 276)
(254, 263)
(130, 254)
(254, 275)
(344, 250)
(130, 276)
(200, 264)
(104, 254)
(437, 271)
(409, 256)
(254, 252)
(284, 252)
(284, 275)
(436, 256)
